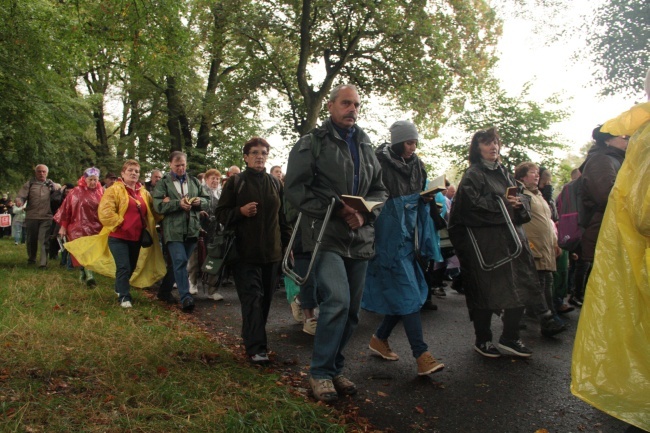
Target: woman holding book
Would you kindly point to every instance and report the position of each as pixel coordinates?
(478, 227)
(404, 235)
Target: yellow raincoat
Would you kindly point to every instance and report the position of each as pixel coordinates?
(92, 251)
(611, 355)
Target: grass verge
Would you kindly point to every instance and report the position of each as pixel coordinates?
(72, 360)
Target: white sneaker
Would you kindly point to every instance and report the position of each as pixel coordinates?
(216, 296)
(193, 289)
(126, 304)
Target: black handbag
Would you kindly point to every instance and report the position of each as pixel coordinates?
(220, 252)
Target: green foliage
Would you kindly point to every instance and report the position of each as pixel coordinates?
(620, 45)
(524, 127)
(424, 56)
(41, 116)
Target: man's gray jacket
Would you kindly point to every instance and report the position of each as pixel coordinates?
(313, 180)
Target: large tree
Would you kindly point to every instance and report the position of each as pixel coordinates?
(425, 56)
(620, 45)
(524, 126)
(42, 118)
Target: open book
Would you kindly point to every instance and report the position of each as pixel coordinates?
(435, 186)
(360, 204)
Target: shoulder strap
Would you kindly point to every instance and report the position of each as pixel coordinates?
(316, 144)
(239, 183)
(276, 183)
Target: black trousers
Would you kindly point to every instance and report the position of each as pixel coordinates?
(255, 286)
(483, 320)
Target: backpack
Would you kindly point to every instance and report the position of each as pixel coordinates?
(572, 213)
(291, 212)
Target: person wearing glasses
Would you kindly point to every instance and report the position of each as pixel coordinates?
(251, 203)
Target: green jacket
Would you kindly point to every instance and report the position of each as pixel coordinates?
(178, 225)
(311, 183)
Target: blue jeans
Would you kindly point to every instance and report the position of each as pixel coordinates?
(179, 254)
(125, 253)
(412, 327)
(339, 281)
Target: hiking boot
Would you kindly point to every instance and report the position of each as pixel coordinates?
(381, 348)
(515, 347)
(487, 349)
(323, 389)
(427, 364)
(296, 310)
(551, 327)
(343, 385)
(309, 327)
(439, 292)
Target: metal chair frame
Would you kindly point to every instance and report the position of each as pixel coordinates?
(518, 247)
(285, 261)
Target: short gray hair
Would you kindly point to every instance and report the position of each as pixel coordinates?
(335, 91)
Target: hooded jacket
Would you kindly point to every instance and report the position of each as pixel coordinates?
(312, 182)
(395, 282)
(179, 225)
(476, 208)
(598, 176)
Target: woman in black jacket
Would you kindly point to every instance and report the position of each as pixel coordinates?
(477, 214)
(251, 203)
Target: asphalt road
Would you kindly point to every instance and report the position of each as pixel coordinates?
(471, 394)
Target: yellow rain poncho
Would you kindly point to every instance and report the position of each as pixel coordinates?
(611, 355)
(92, 251)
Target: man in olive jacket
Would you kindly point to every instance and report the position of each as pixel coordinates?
(180, 198)
(341, 163)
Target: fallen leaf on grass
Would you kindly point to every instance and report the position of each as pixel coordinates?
(541, 430)
(418, 409)
(162, 371)
(382, 394)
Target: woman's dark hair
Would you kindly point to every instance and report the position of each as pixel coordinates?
(482, 136)
(522, 169)
(255, 141)
(398, 148)
(601, 137)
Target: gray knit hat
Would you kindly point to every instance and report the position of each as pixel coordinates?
(402, 131)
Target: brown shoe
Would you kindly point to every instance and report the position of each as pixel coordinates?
(323, 389)
(343, 385)
(427, 364)
(381, 348)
